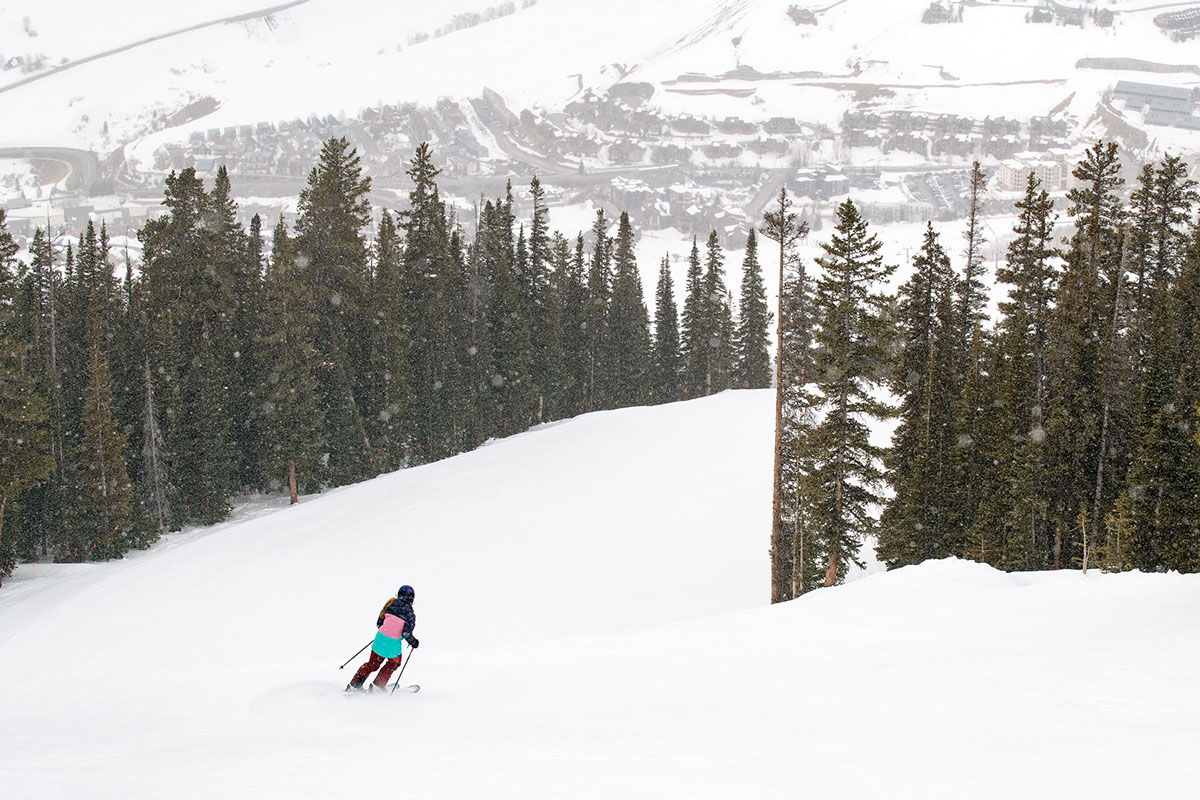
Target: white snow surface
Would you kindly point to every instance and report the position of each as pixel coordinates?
(320, 56)
(591, 602)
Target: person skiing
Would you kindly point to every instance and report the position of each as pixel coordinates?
(396, 623)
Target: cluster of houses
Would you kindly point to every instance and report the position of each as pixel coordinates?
(619, 129)
(1180, 25)
(1161, 105)
(384, 138)
(933, 135)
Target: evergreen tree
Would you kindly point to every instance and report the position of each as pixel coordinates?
(753, 368)
(544, 331)
(919, 523)
(695, 347)
(969, 402)
(576, 310)
(25, 459)
(388, 399)
(667, 361)
(851, 351)
(599, 286)
(330, 246)
(291, 414)
(717, 320)
(627, 339)
(512, 393)
(189, 304)
(793, 360)
(1082, 339)
(111, 494)
(1010, 529)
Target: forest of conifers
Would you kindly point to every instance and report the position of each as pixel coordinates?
(228, 364)
(1060, 433)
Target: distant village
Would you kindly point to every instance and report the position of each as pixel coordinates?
(620, 152)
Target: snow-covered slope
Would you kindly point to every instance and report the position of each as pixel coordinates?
(591, 605)
(331, 56)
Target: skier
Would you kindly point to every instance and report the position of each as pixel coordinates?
(396, 622)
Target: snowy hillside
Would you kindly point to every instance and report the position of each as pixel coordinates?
(591, 605)
(739, 57)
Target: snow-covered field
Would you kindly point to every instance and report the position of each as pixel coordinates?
(591, 601)
(318, 56)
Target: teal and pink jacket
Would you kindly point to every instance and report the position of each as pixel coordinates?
(396, 623)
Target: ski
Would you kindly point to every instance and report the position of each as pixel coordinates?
(412, 689)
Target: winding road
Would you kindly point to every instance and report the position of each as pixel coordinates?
(83, 166)
(262, 12)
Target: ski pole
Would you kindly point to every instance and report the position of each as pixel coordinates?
(403, 667)
(351, 658)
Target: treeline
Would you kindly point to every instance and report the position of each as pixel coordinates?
(228, 363)
(1061, 434)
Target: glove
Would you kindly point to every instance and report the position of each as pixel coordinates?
(415, 643)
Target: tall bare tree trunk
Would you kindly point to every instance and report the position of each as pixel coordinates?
(782, 585)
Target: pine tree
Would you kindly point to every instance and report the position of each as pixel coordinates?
(969, 402)
(717, 320)
(576, 309)
(551, 353)
(1083, 337)
(110, 492)
(330, 246)
(694, 344)
(627, 339)
(919, 523)
(851, 343)
(189, 305)
(544, 334)
(599, 287)
(1162, 493)
(388, 397)
(667, 361)
(291, 414)
(793, 354)
(1010, 529)
(512, 395)
(753, 368)
(25, 458)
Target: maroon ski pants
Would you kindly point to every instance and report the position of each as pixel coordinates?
(389, 666)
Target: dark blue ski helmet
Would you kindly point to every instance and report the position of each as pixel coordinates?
(406, 592)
